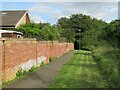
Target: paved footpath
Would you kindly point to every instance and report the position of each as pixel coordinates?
(44, 75)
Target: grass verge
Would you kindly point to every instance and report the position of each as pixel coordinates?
(80, 72)
(107, 62)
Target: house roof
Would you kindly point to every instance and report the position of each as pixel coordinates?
(10, 18)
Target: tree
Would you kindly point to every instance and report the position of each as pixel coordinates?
(67, 32)
(91, 29)
(112, 33)
(40, 31)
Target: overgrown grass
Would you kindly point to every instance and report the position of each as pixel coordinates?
(0, 87)
(80, 72)
(107, 62)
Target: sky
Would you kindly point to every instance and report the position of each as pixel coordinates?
(52, 11)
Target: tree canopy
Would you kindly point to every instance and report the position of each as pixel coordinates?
(85, 31)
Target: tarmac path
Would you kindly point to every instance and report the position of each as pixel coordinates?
(44, 75)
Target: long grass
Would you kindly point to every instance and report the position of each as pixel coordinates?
(80, 72)
(107, 62)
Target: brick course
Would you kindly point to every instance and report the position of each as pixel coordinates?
(25, 53)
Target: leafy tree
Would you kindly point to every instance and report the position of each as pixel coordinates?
(40, 31)
(30, 30)
(67, 32)
(112, 33)
(94, 32)
(91, 29)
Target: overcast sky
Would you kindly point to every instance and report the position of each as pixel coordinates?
(52, 11)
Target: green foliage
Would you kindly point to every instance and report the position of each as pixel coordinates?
(108, 64)
(20, 73)
(0, 87)
(67, 31)
(41, 31)
(80, 72)
(5, 84)
(112, 33)
(42, 64)
(49, 33)
(91, 29)
(94, 34)
(33, 69)
(30, 30)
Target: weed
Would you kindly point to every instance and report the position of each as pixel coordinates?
(20, 73)
(33, 69)
(0, 87)
(42, 64)
(6, 83)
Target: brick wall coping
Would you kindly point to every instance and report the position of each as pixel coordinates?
(48, 42)
(30, 39)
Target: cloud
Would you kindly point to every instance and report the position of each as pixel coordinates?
(60, 0)
(101, 10)
(96, 9)
(119, 10)
(36, 18)
(40, 8)
(46, 8)
(52, 11)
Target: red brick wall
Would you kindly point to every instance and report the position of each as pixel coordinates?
(25, 52)
(17, 52)
(53, 49)
(1, 61)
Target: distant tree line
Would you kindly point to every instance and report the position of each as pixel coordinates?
(90, 32)
(85, 31)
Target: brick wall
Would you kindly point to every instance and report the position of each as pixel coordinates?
(1, 43)
(25, 53)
